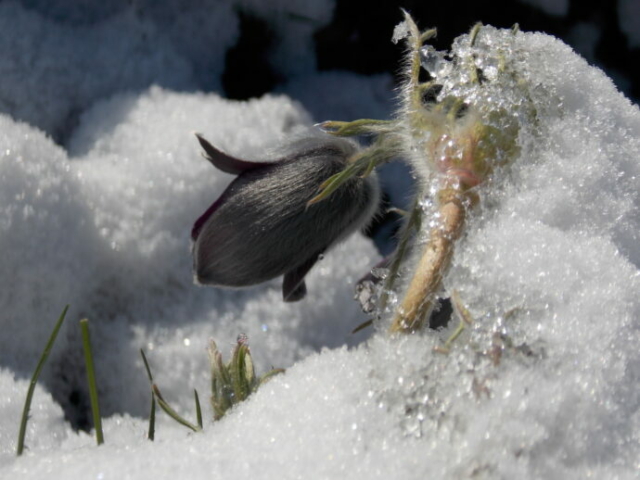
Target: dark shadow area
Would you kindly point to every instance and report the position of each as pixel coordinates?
(359, 37)
(248, 73)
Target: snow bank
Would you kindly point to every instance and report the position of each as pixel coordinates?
(59, 57)
(52, 72)
(46, 433)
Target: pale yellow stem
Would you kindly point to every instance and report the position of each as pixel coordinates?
(419, 299)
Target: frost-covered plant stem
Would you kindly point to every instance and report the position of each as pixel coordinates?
(436, 254)
(419, 297)
(456, 132)
(453, 144)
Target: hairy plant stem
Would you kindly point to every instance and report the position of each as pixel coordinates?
(420, 297)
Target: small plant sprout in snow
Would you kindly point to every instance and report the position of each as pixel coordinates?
(458, 131)
(233, 382)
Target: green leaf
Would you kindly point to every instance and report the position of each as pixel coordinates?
(171, 412)
(146, 366)
(91, 379)
(34, 379)
(152, 419)
(198, 409)
(249, 370)
(363, 126)
(334, 182)
(221, 387)
(362, 326)
(238, 366)
(269, 375)
(428, 35)
(163, 404)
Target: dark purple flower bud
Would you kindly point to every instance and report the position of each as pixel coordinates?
(262, 226)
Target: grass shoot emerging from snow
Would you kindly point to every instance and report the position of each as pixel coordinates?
(91, 380)
(156, 396)
(231, 384)
(34, 380)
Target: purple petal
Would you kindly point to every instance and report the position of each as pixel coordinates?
(227, 163)
(197, 227)
(293, 286)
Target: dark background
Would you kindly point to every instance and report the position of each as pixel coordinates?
(358, 38)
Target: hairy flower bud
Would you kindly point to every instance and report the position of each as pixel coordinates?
(263, 225)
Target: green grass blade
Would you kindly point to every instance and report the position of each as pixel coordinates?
(151, 435)
(198, 409)
(152, 419)
(334, 182)
(34, 379)
(270, 374)
(473, 34)
(363, 126)
(171, 412)
(428, 35)
(362, 326)
(237, 368)
(91, 379)
(163, 404)
(146, 366)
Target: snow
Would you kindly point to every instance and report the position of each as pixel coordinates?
(544, 385)
(45, 434)
(58, 58)
(43, 62)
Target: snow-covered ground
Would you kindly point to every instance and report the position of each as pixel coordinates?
(545, 385)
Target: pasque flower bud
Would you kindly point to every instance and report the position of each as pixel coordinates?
(263, 225)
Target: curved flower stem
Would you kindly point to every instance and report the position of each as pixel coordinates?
(436, 255)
